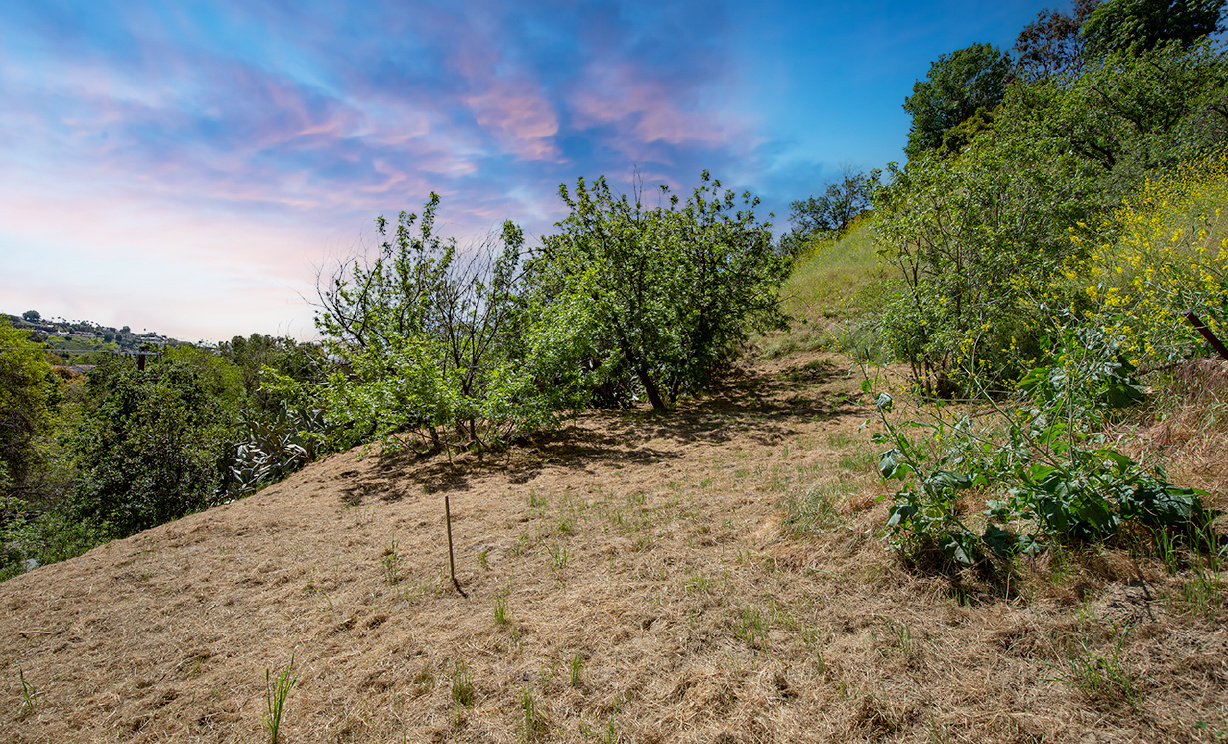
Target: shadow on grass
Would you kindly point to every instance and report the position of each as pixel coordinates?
(766, 408)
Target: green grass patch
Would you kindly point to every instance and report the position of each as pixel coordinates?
(835, 295)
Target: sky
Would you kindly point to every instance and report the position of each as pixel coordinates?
(191, 168)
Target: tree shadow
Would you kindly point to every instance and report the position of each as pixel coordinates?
(764, 407)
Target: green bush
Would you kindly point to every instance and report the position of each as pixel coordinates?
(670, 292)
(155, 445)
(436, 348)
(1043, 456)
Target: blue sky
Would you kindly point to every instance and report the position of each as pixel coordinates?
(188, 167)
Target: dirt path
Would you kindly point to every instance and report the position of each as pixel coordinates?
(632, 578)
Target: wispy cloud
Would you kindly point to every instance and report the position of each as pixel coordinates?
(230, 144)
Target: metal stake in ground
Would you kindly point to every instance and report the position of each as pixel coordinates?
(447, 511)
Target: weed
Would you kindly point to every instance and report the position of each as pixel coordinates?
(567, 526)
(1203, 592)
(534, 723)
(501, 612)
(607, 735)
(860, 461)
(521, 542)
(749, 626)
(637, 498)
(814, 512)
(697, 583)
(536, 502)
(1167, 551)
(810, 637)
(462, 685)
(482, 557)
(392, 563)
(276, 689)
(1102, 678)
(558, 554)
(1222, 733)
(902, 639)
(29, 696)
(423, 681)
(575, 669)
(1202, 589)
(840, 439)
(935, 731)
(778, 482)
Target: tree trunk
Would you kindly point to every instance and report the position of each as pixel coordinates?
(650, 387)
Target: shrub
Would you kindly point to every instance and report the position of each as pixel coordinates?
(155, 445)
(1163, 253)
(436, 348)
(670, 292)
(1044, 457)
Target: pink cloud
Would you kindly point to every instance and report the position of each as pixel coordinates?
(645, 111)
(520, 118)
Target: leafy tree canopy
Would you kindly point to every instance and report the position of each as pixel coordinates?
(154, 445)
(1120, 25)
(25, 388)
(671, 289)
(434, 345)
(958, 84)
(1130, 112)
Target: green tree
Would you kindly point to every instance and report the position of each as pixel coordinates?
(958, 84)
(1131, 112)
(25, 413)
(1141, 25)
(303, 362)
(432, 345)
(155, 445)
(671, 290)
(832, 212)
(31, 316)
(977, 237)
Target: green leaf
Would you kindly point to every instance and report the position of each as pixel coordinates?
(899, 514)
(889, 463)
(948, 479)
(1000, 541)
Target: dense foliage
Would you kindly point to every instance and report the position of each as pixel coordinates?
(671, 290)
(153, 445)
(1052, 250)
(26, 389)
(1125, 25)
(981, 234)
(957, 86)
(433, 346)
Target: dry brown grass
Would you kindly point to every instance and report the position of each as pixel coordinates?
(636, 576)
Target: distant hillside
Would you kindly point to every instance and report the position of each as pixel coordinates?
(78, 341)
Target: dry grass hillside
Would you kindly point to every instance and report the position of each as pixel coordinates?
(714, 575)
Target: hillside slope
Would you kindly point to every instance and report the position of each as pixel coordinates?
(714, 575)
